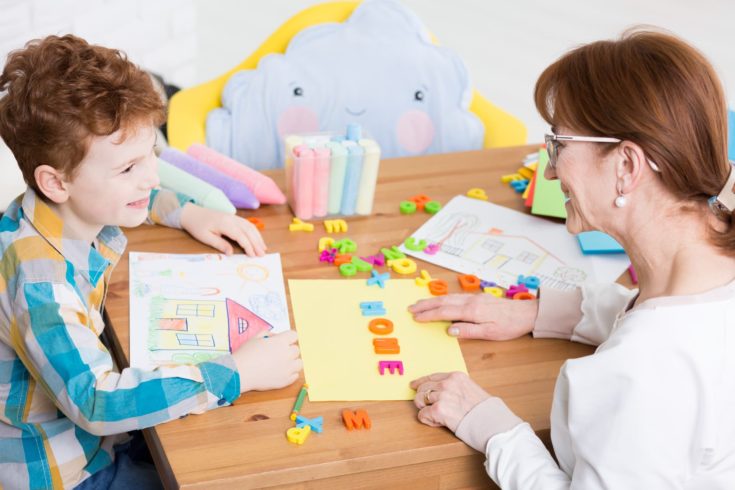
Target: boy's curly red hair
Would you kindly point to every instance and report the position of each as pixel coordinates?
(61, 92)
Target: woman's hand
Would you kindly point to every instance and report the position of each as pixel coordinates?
(479, 316)
(268, 362)
(210, 227)
(443, 399)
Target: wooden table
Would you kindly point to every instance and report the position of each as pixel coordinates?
(244, 446)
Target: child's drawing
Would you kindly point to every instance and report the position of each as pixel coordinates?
(197, 309)
(498, 244)
(268, 305)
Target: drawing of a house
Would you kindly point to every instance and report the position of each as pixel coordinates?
(510, 254)
(212, 325)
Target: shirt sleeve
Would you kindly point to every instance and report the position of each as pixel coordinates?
(584, 315)
(56, 343)
(618, 421)
(165, 207)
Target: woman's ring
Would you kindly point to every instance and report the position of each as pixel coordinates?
(426, 397)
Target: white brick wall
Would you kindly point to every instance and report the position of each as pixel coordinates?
(158, 35)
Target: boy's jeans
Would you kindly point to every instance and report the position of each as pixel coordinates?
(129, 470)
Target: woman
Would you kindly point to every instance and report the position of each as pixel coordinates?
(638, 144)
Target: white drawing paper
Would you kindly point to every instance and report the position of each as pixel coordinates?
(185, 309)
(498, 244)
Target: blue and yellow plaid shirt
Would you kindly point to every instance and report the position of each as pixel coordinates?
(63, 405)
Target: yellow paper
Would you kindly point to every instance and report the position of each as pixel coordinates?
(340, 363)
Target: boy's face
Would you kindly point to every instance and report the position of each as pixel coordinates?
(112, 184)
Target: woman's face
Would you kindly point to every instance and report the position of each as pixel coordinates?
(588, 181)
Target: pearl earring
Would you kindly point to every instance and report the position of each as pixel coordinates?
(621, 200)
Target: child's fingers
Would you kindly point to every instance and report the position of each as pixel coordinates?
(289, 336)
(298, 365)
(293, 351)
(217, 242)
(252, 233)
(251, 243)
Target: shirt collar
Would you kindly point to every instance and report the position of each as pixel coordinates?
(86, 259)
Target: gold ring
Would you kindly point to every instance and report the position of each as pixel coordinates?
(426, 397)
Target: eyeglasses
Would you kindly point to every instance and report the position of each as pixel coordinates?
(552, 143)
(552, 146)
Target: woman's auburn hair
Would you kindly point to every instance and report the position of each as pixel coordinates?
(653, 89)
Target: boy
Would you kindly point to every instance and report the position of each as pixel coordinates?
(81, 121)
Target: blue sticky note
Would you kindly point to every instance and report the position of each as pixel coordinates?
(596, 242)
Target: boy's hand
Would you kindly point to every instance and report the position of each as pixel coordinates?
(210, 226)
(268, 362)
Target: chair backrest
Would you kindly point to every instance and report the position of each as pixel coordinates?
(189, 108)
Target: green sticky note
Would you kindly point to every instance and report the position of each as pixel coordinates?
(548, 199)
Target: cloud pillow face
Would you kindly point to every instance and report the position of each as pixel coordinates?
(378, 69)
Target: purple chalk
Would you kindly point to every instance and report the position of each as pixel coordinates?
(236, 191)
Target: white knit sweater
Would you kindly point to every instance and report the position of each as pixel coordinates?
(653, 407)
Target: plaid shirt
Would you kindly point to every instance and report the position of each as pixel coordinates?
(63, 405)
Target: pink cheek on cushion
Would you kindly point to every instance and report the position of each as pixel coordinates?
(297, 119)
(415, 131)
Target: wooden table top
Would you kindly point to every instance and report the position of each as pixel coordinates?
(244, 446)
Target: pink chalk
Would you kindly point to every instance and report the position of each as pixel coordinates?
(321, 180)
(303, 182)
(261, 185)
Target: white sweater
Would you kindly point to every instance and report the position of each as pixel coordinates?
(653, 407)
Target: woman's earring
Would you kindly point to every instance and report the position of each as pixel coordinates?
(621, 200)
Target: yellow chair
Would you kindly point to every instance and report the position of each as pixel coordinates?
(188, 108)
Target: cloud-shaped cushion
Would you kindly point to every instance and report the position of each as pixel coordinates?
(378, 69)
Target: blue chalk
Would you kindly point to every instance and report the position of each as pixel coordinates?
(354, 132)
(352, 179)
